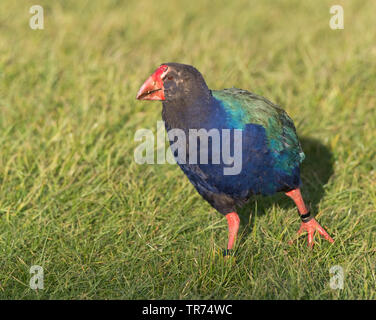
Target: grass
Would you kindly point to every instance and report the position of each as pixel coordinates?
(73, 200)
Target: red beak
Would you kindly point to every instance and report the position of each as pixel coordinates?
(153, 89)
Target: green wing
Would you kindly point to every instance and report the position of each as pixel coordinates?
(248, 108)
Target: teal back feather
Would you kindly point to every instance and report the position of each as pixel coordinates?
(244, 108)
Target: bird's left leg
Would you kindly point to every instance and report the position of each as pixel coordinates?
(233, 228)
(309, 224)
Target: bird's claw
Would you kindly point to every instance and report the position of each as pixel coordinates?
(311, 227)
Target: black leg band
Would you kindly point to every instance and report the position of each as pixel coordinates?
(227, 252)
(306, 217)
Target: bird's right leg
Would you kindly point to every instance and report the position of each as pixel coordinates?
(309, 224)
(233, 228)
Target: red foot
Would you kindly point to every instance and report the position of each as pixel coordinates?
(311, 227)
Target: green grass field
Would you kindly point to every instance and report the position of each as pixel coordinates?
(73, 200)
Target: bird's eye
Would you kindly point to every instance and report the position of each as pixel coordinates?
(170, 77)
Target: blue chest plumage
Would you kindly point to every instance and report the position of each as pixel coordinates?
(261, 170)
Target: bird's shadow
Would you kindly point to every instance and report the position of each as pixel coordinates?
(315, 171)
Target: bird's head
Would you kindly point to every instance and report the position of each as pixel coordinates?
(172, 81)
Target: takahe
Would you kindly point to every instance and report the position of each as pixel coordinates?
(270, 152)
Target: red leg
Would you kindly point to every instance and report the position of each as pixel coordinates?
(233, 228)
(312, 225)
